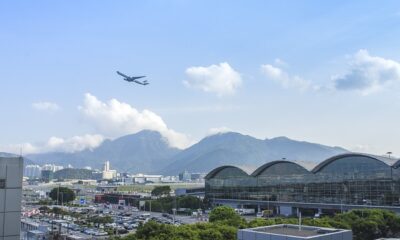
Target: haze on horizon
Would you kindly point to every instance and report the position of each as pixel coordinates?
(326, 72)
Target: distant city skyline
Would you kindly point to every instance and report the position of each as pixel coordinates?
(326, 73)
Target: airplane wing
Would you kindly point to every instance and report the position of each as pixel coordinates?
(121, 74)
(139, 77)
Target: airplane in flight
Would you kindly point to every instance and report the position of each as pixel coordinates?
(133, 79)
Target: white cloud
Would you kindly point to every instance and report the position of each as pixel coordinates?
(45, 106)
(280, 62)
(286, 80)
(368, 73)
(56, 144)
(217, 130)
(73, 144)
(114, 118)
(221, 79)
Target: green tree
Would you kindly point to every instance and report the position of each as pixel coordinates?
(365, 230)
(226, 215)
(62, 195)
(97, 220)
(44, 209)
(161, 190)
(58, 211)
(211, 234)
(153, 230)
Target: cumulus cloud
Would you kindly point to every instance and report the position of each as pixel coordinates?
(286, 80)
(45, 106)
(221, 79)
(368, 73)
(115, 118)
(217, 130)
(56, 144)
(73, 144)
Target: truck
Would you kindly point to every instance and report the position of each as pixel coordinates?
(245, 211)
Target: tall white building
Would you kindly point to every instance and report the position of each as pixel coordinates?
(107, 172)
(52, 167)
(11, 170)
(32, 171)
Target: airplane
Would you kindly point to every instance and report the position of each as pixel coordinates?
(133, 79)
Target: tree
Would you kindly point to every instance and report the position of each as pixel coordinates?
(161, 190)
(365, 230)
(44, 209)
(152, 230)
(226, 215)
(97, 220)
(62, 194)
(58, 211)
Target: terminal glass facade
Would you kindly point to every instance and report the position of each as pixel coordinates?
(351, 179)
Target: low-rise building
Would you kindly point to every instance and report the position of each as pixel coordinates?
(293, 232)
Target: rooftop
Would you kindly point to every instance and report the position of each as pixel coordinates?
(295, 230)
(306, 232)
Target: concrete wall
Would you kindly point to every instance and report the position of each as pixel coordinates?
(11, 170)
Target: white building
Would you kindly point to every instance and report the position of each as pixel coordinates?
(52, 167)
(11, 170)
(144, 178)
(107, 172)
(32, 171)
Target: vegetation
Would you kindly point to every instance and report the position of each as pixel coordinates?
(227, 216)
(62, 195)
(159, 191)
(97, 220)
(224, 222)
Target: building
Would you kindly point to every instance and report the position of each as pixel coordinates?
(11, 170)
(185, 176)
(32, 171)
(47, 175)
(107, 172)
(340, 183)
(144, 178)
(117, 198)
(52, 167)
(293, 232)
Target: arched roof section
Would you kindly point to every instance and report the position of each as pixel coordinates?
(233, 172)
(290, 168)
(391, 162)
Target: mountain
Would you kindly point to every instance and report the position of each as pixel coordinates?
(27, 161)
(145, 151)
(245, 151)
(148, 152)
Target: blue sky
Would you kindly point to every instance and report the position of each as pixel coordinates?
(325, 72)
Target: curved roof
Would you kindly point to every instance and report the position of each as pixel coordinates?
(391, 162)
(217, 170)
(264, 167)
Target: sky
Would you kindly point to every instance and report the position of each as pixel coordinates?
(325, 72)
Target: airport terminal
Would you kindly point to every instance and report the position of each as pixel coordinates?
(340, 183)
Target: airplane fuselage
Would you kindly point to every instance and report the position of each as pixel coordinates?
(133, 79)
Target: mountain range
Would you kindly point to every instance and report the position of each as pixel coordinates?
(148, 152)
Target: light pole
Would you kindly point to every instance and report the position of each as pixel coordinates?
(58, 194)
